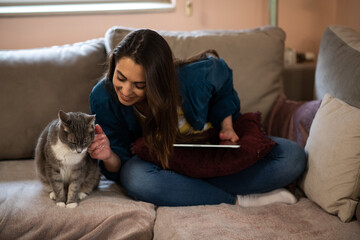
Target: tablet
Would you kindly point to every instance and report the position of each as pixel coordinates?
(205, 145)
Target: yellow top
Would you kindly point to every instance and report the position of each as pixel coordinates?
(184, 126)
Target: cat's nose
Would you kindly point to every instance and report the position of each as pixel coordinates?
(78, 150)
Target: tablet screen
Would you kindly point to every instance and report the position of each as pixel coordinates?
(205, 145)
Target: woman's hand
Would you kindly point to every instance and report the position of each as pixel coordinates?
(100, 149)
(100, 146)
(227, 134)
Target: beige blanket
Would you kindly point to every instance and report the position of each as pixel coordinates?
(27, 212)
(303, 220)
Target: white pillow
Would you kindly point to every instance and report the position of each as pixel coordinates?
(332, 177)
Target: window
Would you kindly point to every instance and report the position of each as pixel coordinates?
(51, 7)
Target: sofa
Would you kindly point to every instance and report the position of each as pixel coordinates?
(37, 83)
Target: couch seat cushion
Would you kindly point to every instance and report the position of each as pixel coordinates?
(303, 220)
(27, 212)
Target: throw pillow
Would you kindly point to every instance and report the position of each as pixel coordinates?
(292, 119)
(332, 177)
(338, 65)
(213, 162)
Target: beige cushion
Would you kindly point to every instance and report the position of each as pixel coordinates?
(301, 221)
(27, 212)
(37, 83)
(332, 177)
(256, 57)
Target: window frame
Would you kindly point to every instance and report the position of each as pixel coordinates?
(23, 8)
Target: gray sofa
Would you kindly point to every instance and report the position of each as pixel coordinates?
(36, 83)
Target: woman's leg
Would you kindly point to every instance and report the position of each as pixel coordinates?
(283, 165)
(147, 182)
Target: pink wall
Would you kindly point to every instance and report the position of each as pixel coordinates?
(303, 20)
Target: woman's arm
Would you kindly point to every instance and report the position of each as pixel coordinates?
(224, 101)
(118, 130)
(208, 92)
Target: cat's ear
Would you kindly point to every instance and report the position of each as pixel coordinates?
(63, 116)
(64, 119)
(91, 120)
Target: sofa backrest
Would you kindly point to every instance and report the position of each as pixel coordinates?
(255, 56)
(37, 83)
(338, 65)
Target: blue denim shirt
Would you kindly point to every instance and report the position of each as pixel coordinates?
(208, 93)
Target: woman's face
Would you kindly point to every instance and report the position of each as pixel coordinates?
(129, 81)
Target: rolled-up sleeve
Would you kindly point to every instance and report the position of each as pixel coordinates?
(225, 101)
(208, 92)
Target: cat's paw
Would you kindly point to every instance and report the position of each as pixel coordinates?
(52, 196)
(72, 205)
(60, 204)
(82, 195)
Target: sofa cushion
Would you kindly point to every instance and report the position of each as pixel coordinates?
(214, 162)
(303, 220)
(27, 212)
(292, 119)
(332, 177)
(255, 56)
(338, 66)
(37, 83)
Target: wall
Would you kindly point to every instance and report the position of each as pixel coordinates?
(303, 20)
(348, 13)
(28, 32)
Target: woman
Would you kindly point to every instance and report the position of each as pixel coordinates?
(141, 95)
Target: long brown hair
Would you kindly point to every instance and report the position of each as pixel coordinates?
(150, 50)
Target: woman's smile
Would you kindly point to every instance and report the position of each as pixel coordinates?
(126, 98)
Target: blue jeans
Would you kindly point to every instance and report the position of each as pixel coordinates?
(147, 182)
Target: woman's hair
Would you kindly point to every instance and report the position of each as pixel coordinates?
(150, 50)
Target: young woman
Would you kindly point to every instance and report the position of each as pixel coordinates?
(147, 94)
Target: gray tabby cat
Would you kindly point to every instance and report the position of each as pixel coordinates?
(63, 164)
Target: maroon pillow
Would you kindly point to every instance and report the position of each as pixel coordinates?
(212, 162)
(292, 119)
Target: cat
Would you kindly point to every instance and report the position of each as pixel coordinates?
(63, 164)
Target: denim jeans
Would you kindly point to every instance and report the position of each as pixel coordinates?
(147, 182)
